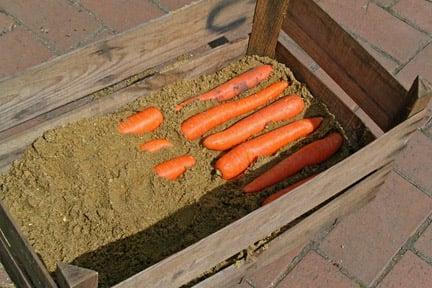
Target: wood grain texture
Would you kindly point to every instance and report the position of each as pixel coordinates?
(351, 199)
(13, 141)
(71, 276)
(81, 72)
(362, 77)
(419, 96)
(205, 254)
(354, 128)
(25, 262)
(267, 23)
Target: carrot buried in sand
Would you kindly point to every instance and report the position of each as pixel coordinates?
(284, 191)
(173, 168)
(145, 121)
(233, 87)
(280, 110)
(197, 125)
(155, 145)
(311, 154)
(238, 159)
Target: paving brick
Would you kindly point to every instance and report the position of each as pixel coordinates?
(19, 50)
(315, 271)
(175, 4)
(239, 284)
(415, 161)
(410, 271)
(123, 15)
(377, 26)
(420, 65)
(383, 59)
(5, 23)
(365, 241)
(269, 274)
(424, 243)
(57, 21)
(418, 12)
(5, 281)
(385, 3)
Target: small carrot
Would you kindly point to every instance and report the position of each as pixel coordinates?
(173, 168)
(145, 121)
(283, 109)
(195, 126)
(155, 145)
(311, 154)
(233, 87)
(284, 191)
(238, 159)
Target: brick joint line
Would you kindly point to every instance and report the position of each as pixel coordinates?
(412, 182)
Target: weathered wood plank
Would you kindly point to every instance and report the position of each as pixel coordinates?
(354, 128)
(205, 254)
(419, 96)
(70, 276)
(13, 141)
(81, 72)
(354, 198)
(267, 23)
(22, 253)
(347, 62)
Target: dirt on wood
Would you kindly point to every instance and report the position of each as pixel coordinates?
(84, 194)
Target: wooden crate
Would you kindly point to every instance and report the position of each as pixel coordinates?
(212, 33)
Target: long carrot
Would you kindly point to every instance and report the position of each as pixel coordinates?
(311, 154)
(284, 191)
(283, 109)
(238, 159)
(195, 126)
(173, 168)
(145, 121)
(233, 87)
(155, 145)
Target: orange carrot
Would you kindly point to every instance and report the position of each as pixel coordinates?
(284, 191)
(311, 154)
(175, 167)
(155, 145)
(240, 157)
(233, 87)
(195, 126)
(280, 110)
(145, 121)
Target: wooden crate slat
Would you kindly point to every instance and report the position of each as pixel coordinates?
(13, 141)
(267, 23)
(354, 198)
(354, 128)
(420, 94)
(23, 254)
(376, 91)
(71, 276)
(205, 254)
(81, 72)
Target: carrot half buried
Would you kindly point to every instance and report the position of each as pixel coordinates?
(155, 145)
(238, 159)
(197, 125)
(145, 121)
(173, 168)
(284, 191)
(233, 87)
(311, 154)
(280, 110)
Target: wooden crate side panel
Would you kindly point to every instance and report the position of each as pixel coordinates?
(354, 128)
(354, 198)
(267, 23)
(376, 91)
(207, 253)
(24, 266)
(79, 73)
(13, 141)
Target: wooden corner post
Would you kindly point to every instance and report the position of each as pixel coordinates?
(267, 23)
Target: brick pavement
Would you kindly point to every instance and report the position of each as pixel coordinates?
(388, 243)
